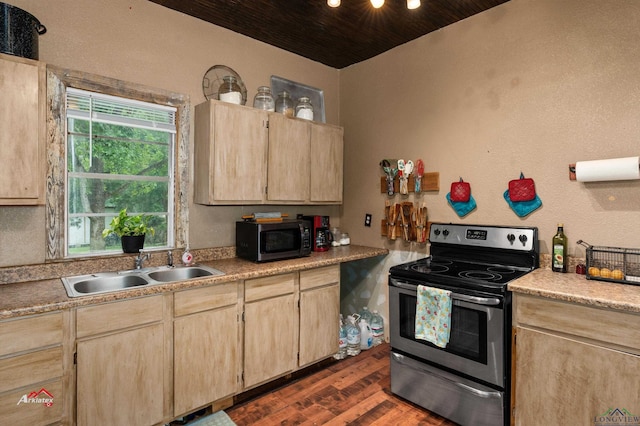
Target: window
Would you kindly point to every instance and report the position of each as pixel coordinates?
(119, 154)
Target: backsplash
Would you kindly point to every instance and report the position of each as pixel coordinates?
(119, 262)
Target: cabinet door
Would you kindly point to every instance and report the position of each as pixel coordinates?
(22, 121)
(120, 378)
(289, 161)
(205, 358)
(230, 154)
(327, 168)
(269, 339)
(561, 381)
(32, 351)
(319, 313)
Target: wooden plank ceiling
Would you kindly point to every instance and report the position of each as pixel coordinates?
(337, 37)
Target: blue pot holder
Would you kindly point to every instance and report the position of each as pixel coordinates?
(460, 207)
(523, 208)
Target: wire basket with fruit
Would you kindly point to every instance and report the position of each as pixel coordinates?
(613, 264)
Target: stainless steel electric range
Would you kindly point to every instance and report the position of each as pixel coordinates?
(468, 381)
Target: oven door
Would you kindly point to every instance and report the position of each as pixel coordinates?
(476, 342)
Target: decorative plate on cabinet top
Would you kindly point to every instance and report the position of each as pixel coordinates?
(213, 79)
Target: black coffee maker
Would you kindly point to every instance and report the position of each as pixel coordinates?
(321, 231)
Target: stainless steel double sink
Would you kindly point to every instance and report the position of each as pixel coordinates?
(105, 282)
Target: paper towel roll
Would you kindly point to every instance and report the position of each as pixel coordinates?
(614, 169)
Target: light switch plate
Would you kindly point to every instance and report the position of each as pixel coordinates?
(367, 219)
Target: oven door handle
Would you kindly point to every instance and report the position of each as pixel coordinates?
(487, 301)
(480, 393)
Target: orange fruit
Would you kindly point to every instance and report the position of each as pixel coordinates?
(594, 272)
(605, 273)
(617, 274)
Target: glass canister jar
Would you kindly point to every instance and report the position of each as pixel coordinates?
(229, 91)
(264, 99)
(304, 109)
(284, 104)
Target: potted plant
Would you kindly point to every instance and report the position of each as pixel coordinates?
(130, 229)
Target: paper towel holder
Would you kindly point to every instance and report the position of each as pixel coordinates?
(632, 170)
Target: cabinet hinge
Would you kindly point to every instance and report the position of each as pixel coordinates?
(242, 318)
(75, 358)
(266, 124)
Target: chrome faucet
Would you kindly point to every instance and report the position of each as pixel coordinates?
(141, 258)
(170, 258)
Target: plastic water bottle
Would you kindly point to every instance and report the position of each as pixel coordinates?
(353, 337)
(365, 314)
(342, 340)
(366, 338)
(377, 328)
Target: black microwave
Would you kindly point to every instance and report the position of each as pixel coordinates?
(263, 242)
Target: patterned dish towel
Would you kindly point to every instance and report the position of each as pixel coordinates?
(433, 315)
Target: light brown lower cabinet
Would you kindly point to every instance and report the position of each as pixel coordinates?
(575, 364)
(270, 328)
(205, 339)
(121, 363)
(290, 321)
(148, 360)
(319, 313)
(33, 384)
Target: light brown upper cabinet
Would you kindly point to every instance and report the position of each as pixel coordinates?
(248, 156)
(22, 131)
(230, 154)
(289, 159)
(327, 164)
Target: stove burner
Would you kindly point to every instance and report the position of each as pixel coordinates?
(429, 268)
(501, 269)
(441, 261)
(480, 275)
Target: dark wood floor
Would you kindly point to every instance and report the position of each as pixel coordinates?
(354, 391)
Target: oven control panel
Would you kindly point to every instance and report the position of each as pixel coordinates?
(502, 237)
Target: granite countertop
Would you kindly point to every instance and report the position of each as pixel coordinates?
(576, 288)
(33, 297)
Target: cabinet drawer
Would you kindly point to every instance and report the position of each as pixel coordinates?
(615, 327)
(30, 333)
(202, 299)
(27, 369)
(31, 413)
(117, 315)
(262, 288)
(319, 277)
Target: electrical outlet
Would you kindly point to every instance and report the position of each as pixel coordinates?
(367, 219)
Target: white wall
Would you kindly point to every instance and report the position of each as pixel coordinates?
(141, 42)
(531, 86)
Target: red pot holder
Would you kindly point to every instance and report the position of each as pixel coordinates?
(523, 189)
(460, 191)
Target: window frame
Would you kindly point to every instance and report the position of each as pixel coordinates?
(58, 80)
(97, 117)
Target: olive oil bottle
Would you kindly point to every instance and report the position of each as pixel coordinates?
(559, 251)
